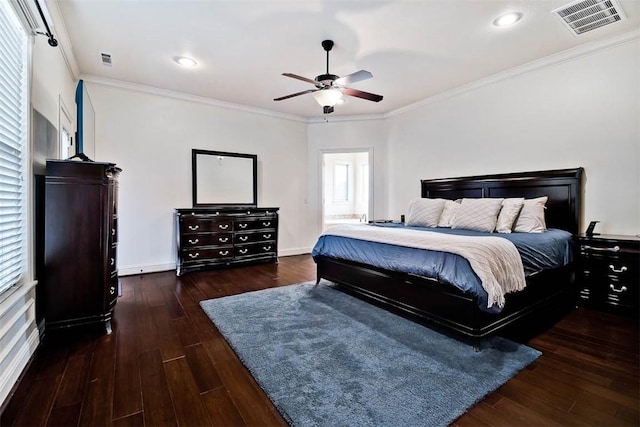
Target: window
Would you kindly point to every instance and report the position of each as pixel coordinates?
(341, 182)
(13, 148)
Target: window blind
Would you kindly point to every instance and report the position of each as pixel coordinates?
(13, 147)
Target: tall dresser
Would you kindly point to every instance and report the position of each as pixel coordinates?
(80, 277)
(225, 236)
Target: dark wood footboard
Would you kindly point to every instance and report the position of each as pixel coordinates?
(443, 304)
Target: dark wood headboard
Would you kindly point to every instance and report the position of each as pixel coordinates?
(562, 186)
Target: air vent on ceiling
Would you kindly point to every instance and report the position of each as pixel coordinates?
(106, 59)
(586, 15)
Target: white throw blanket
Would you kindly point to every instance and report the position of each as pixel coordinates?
(495, 260)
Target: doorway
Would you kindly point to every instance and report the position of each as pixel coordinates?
(347, 190)
(65, 143)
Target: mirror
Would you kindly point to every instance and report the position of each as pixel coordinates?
(220, 178)
(85, 135)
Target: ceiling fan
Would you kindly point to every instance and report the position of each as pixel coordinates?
(330, 88)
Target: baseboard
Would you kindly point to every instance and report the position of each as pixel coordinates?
(294, 251)
(144, 269)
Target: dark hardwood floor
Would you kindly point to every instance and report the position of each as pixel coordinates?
(166, 364)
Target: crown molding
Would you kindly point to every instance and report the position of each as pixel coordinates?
(64, 42)
(119, 84)
(566, 55)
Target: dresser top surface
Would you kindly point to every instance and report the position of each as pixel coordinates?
(611, 237)
(224, 210)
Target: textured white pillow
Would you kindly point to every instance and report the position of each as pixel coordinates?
(448, 213)
(531, 218)
(508, 214)
(425, 212)
(478, 214)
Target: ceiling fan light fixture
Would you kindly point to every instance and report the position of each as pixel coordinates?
(186, 61)
(328, 97)
(507, 19)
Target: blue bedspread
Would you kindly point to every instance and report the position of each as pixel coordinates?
(539, 251)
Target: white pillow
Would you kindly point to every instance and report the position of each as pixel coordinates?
(531, 218)
(508, 214)
(478, 214)
(425, 212)
(448, 213)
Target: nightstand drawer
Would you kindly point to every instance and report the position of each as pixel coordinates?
(608, 272)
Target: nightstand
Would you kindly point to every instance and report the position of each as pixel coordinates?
(608, 272)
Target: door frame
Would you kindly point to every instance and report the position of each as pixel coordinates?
(323, 151)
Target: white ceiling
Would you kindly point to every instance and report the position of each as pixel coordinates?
(415, 49)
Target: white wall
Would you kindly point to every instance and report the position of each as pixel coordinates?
(150, 136)
(579, 112)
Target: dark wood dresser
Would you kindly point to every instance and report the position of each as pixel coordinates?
(80, 277)
(225, 236)
(608, 272)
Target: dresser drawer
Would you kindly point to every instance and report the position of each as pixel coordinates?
(255, 249)
(255, 224)
(256, 236)
(111, 262)
(207, 239)
(112, 290)
(191, 225)
(200, 255)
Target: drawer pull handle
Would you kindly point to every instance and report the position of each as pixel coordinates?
(112, 290)
(113, 261)
(244, 238)
(223, 253)
(616, 290)
(223, 226)
(243, 226)
(595, 248)
(223, 239)
(620, 270)
(266, 248)
(266, 236)
(193, 256)
(194, 227)
(266, 224)
(244, 251)
(194, 241)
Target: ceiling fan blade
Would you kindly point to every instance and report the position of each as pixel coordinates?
(353, 77)
(361, 94)
(304, 79)
(295, 94)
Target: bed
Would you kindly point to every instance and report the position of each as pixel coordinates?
(433, 300)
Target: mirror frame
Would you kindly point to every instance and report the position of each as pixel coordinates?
(194, 177)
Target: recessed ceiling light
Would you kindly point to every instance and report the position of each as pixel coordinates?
(507, 19)
(185, 62)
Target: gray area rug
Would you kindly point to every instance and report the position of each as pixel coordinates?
(326, 358)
